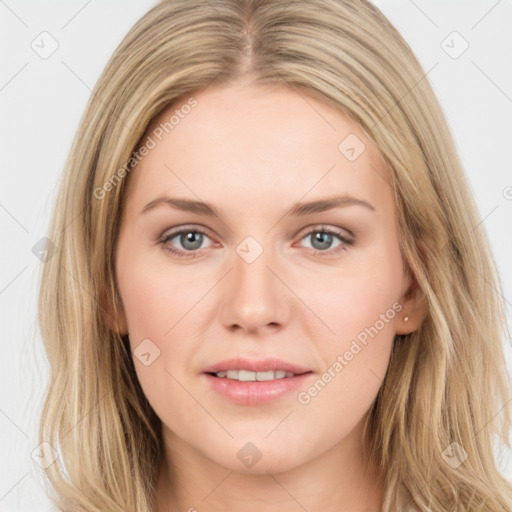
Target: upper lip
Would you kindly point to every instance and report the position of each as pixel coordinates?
(241, 363)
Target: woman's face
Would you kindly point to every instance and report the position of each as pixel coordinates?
(319, 287)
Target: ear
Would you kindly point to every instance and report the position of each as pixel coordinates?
(414, 306)
(114, 315)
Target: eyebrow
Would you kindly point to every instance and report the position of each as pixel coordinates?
(297, 210)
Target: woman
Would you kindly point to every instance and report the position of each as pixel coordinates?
(284, 302)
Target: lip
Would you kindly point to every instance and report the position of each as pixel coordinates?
(255, 392)
(242, 363)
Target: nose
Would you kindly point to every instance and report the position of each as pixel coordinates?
(255, 300)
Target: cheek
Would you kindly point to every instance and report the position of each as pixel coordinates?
(156, 305)
(165, 307)
(360, 312)
(355, 300)
(155, 299)
(355, 364)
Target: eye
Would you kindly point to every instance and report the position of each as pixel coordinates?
(191, 239)
(323, 237)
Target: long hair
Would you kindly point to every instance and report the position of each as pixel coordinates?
(446, 381)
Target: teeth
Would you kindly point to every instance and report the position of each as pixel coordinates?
(232, 374)
(248, 376)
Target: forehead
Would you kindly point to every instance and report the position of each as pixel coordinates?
(249, 143)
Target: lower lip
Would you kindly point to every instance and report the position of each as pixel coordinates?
(255, 392)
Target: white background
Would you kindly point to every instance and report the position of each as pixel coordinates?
(42, 100)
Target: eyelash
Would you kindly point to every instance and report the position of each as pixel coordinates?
(347, 240)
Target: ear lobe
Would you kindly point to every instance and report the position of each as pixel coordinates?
(414, 309)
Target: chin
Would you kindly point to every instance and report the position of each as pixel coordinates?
(256, 459)
(262, 467)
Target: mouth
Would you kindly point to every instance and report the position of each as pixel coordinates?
(250, 376)
(249, 382)
(243, 368)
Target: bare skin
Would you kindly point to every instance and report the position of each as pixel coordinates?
(253, 152)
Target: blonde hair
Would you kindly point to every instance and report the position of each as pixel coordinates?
(446, 381)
